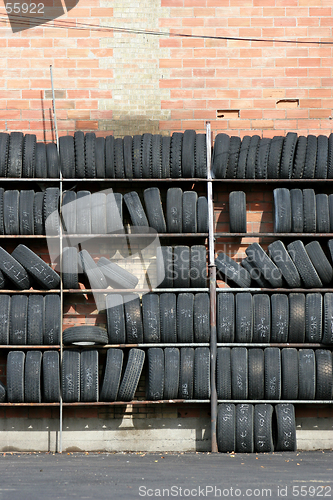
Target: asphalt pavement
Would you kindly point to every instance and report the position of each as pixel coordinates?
(98, 476)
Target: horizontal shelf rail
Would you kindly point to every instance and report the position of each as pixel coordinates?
(57, 290)
(299, 345)
(276, 290)
(27, 346)
(129, 346)
(140, 180)
(132, 290)
(276, 401)
(29, 404)
(273, 235)
(137, 402)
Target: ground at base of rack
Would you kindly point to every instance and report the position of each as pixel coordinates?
(138, 475)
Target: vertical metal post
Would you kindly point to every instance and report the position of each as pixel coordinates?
(61, 312)
(54, 109)
(212, 290)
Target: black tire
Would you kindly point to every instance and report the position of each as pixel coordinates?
(237, 212)
(267, 267)
(79, 155)
(100, 157)
(89, 387)
(4, 145)
(221, 155)
(85, 335)
(13, 270)
(280, 318)
(67, 156)
(95, 276)
(155, 374)
(309, 211)
(181, 266)
(98, 213)
(243, 152)
(70, 376)
(133, 318)
(11, 212)
(233, 271)
(320, 262)
(299, 161)
(89, 155)
(52, 161)
(147, 163)
(282, 210)
(26, 216)
(52, 319)
(18, 320)
(261, 318)
(322, 213)
(154, 210)
(35, 320)
(174, 210)
(262, 158)
(286, 427)
(202, 215)
(5, 319)
(29, 156)
(251, 157)
(289, 378)
(310, 157)
(296, 317)
(225, 317)
(223, 373)
(83, 212)
(198, 269)
(112, 375)
(185, 306)
(244, 318)
(263, 432)
(255, 273)
(135, 209)
(166, 144)
(322, 157)
(119, 158)
(168, 317)
(51, 377)
(306, 374)
(116, 276)
(244, 428)
(109, 157)
(186, 376)
(239, 373)
(15, 155)
(200, 156)
(226, 428)
(68, 212)
(115, 318)
(51, 211)
(32, 377)
(328, 319)
(274, 157)
(272, 358)
(15, 376)
(137, 156)
(176, 154)
(330, 157)
(304, 265)
(256, 368)
(201, 318)
(70, 268)
(156, 155)
(39, 226)
(151, 318)
(296, 198)
(2, 226)
(324, 374)
(279, 255)
(131, 375)
(36, 267)
(114, 213)
(313, 317)
(190, 199)
(171, 372)
(164, 264)
(287, 156)
(202, 373)
(128, 167)
(188, 153)
(234, 146)
(330, 207)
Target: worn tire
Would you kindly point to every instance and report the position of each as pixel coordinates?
(115, 318)
(35, 266)
(186, 373)
(225, 317)
(226, 428)
(272, 373)
(202, 373)
(26, 215)
(85, 335)
(51, 377)
(112, 375)
(239, 373)
(89, 386)
(155, 374)
(256, 369)
(171, 372)
(70, 376)
(32, 377)
(280, 318)
(286, 427)
(131, 375)
(168, 317)
(15, 376)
